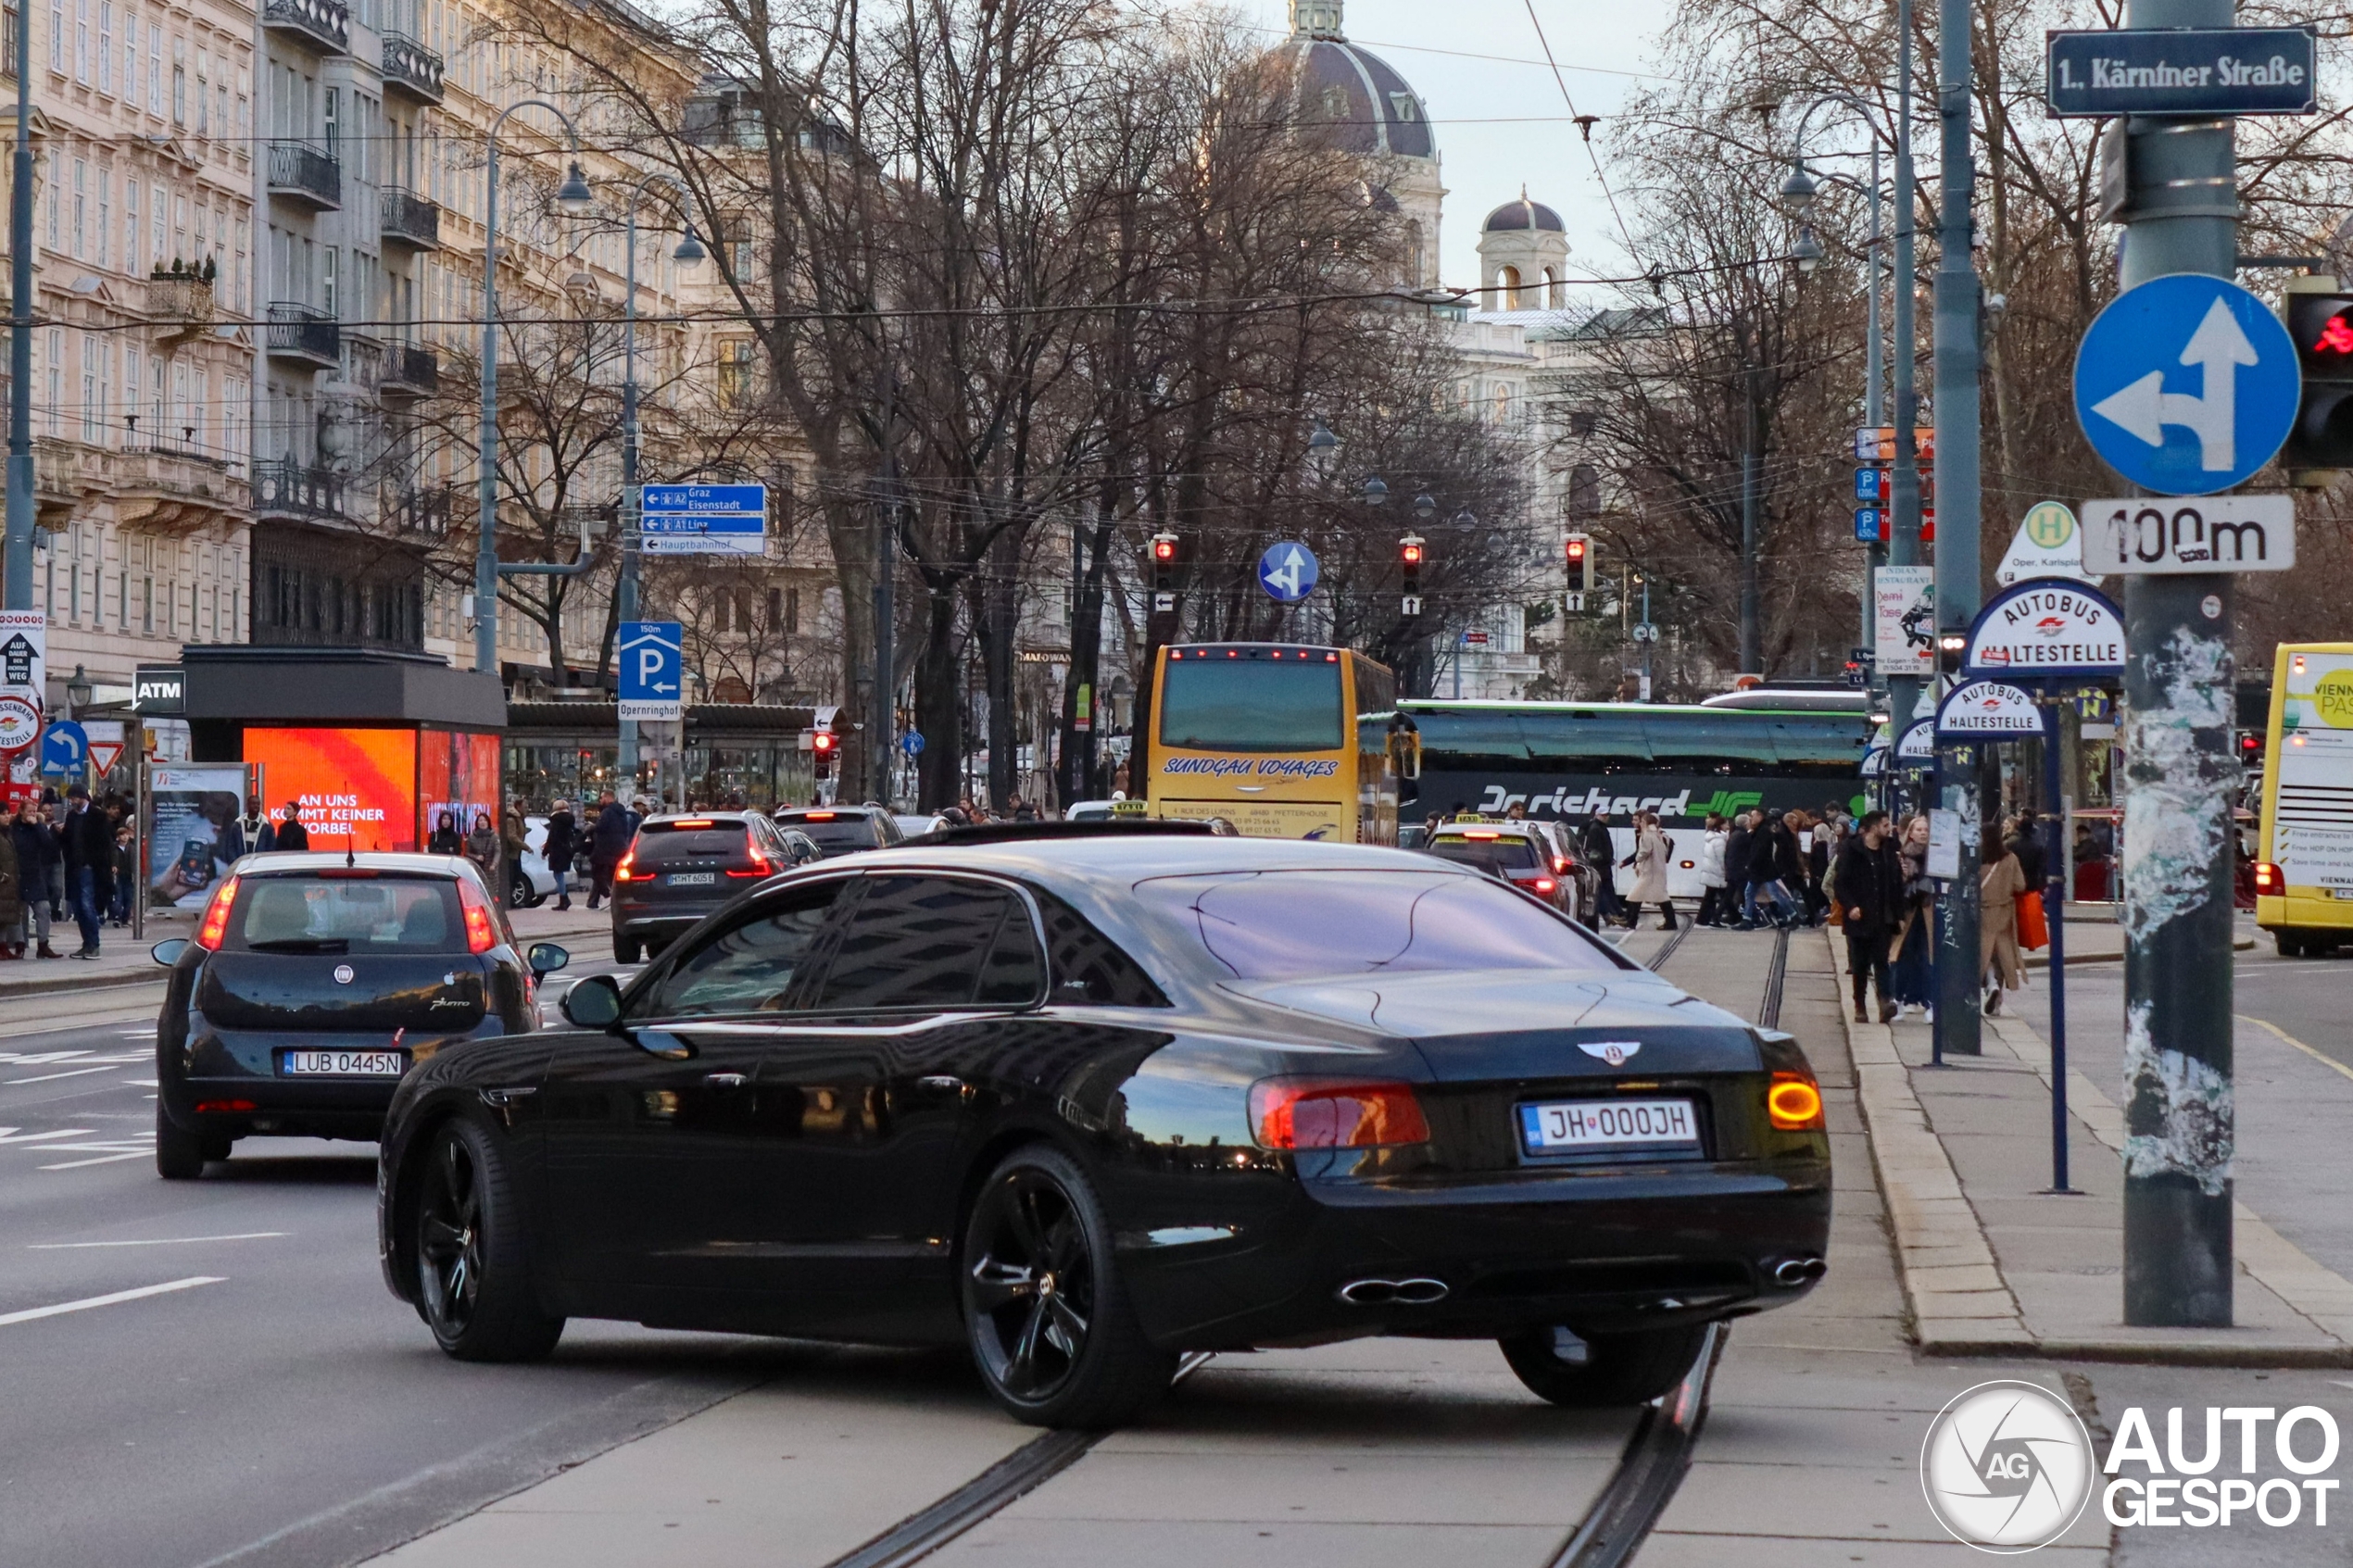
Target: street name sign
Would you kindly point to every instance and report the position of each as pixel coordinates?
(1988, 708)
(703, 519)
(2240, 70)
(2143, 536)
(2234, 369)
(2046, 628)
(1288, 572)
(652, 671)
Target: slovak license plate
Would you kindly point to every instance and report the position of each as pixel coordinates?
(347, 1064)
(1567, 1127)
(692, 879)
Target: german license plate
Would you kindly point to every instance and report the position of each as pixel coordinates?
(347, 1064)
(1565, 1126)
(692, 879)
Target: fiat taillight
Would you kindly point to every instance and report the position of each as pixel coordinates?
(214, 930)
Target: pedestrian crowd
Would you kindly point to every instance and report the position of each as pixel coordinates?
(60, 860)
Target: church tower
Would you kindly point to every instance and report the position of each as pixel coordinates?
(1523, 257)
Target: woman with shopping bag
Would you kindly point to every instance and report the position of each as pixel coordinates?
(1999, 883)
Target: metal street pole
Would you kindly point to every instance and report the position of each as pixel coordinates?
(1958, 1023)
(884, 720)
(633, 509)
(574, 199)
(19, 592)
(1874, 415)
(1903, 549)
(2182, 217)
(1752, 655)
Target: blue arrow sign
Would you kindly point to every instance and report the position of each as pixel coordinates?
(65, 746)
(652, 669)
(2186, 384)
(1288, 572)
(912, 742)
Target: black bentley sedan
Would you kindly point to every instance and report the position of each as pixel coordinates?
(314, 983)
(1085, 1102)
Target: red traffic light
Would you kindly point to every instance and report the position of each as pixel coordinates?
(826, 740)
(1164, 548)
(1412, 553)
(1576, 550)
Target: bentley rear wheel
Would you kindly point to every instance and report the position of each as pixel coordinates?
(1049, 1322)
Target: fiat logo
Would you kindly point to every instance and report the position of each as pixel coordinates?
(343, 974)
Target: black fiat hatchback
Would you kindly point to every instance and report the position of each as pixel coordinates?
(314, 982)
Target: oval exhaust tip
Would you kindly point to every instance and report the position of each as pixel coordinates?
(1791, 1272)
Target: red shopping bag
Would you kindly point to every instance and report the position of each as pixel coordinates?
(2033, 930)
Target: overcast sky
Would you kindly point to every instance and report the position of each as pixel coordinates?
(1500, 120)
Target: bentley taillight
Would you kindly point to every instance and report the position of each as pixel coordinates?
(1306, 1113)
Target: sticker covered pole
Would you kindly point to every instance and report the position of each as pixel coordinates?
(2179, 1120)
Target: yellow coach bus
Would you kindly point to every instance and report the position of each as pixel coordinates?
(1266, 736)
(2304, 881)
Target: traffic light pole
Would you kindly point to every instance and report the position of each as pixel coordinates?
(2179, 1117)
(1958, 1024)
(1903, 549)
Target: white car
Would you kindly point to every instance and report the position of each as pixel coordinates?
(919, 823)
(1089, 811)
(529, 882)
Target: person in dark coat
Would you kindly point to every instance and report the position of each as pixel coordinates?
(1600, 851)
(89, 858)
(608, 841)
(292, 838)
(1739, 853)
(1868, 882)
(11, 901)
(446, 839)
(36, 846)
(560, 845)
(2027, 844)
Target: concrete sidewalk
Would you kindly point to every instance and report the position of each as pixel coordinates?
(1993, 1261)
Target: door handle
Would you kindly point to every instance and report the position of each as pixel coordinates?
(724, 1080)
(946, 1083)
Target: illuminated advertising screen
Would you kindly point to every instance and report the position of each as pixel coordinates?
(457, 786)
(358, 788)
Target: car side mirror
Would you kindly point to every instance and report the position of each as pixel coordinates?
(594, 1003)
(167, 953)
(545, 959)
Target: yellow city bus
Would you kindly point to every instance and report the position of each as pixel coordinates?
(2304, 883)
(1266, 736)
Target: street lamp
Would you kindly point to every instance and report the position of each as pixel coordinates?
(1425, 505)
(1798, 190)
(689, 253)
(77, 692)
(1323, 450)
(1376, 493)
(1808, 252)
(572, 198)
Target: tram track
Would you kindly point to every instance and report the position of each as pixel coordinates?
(1650, 1468)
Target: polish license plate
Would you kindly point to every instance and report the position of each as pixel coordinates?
(1566, 1126)
(347, 1064)
(691, 879)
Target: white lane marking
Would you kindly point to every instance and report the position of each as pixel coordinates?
(29, 1313)
(164, 1241)
(102, 1160)
(53, 1077)
(8, 1134)
(40, 1058)
(143, 1083)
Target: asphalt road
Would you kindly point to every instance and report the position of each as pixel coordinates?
(213, 1372)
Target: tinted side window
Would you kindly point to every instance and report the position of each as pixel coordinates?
(1015, 973)
(1087, 967)
(750, 967)
(915, 942)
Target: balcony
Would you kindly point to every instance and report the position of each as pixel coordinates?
(303, 333)
(324, 25)
(172, 486)
(409, 370)
(181, 309)
(419, 512)
(304, 174)
(283, 488)
(410, 220)
(63, 472)
(411, 67)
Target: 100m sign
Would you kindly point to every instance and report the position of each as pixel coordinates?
(2149, 535)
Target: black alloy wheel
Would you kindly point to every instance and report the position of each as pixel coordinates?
(473, 1282)
(1049, 1324)
(1610, 1368)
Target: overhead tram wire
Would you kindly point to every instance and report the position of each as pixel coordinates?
(1595, 158)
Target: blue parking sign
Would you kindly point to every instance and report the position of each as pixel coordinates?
(652, 672)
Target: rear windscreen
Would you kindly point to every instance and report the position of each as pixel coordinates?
(841, 833)
(381, 914)
(1488, 854)
(1251, 705)
(661, 844)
